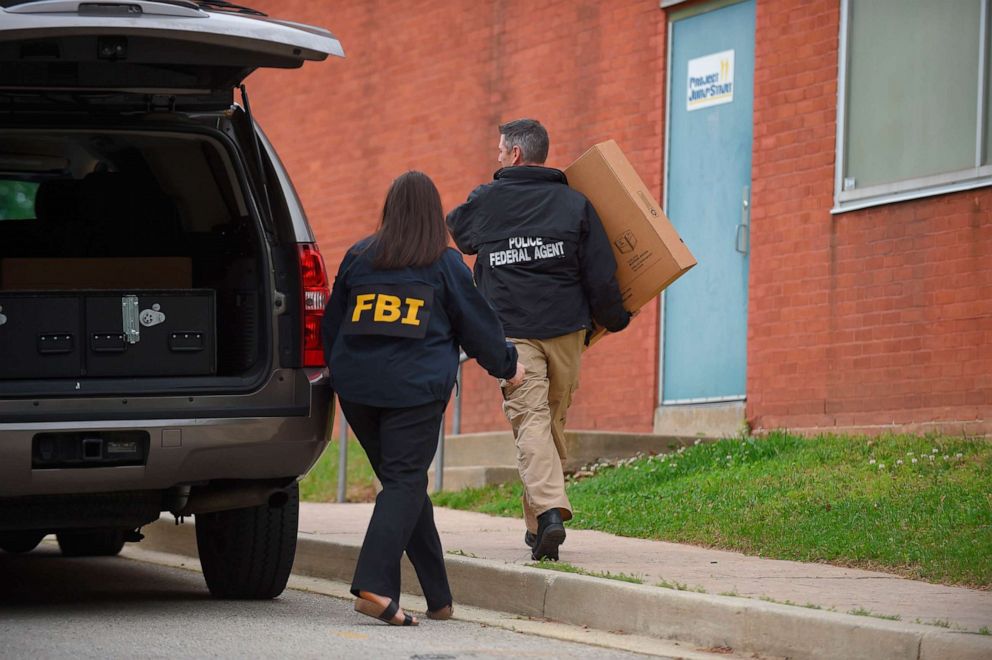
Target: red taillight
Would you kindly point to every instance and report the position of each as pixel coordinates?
(313, 278)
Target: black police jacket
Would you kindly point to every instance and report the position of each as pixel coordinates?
(544, 260)
(391, 336)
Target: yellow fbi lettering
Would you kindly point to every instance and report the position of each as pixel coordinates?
(387, 308)
(391, 310)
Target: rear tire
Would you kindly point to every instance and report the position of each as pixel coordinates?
(20, 542)
(91, 542)
(248, 553)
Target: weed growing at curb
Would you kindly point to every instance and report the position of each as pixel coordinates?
(984, 630)
(565, 567)
(861, 611)
(461, 553)
(679, 586)
(944, 623)
(808, 605)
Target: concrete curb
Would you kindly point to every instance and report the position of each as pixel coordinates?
(744, 624)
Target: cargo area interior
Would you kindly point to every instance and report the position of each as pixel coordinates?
(95, 223)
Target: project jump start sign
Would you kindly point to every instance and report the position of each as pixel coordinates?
(711, 80)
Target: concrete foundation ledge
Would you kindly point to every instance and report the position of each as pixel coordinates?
(459, 478)
(743, 624)
(582, 447)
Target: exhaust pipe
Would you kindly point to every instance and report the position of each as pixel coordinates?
(223, 496)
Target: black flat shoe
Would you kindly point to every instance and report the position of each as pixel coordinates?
(387, 613)
(550, 535)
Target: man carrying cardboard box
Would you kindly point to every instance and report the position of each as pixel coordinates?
(547, 267)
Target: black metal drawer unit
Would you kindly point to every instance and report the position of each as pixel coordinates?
(107, 334)
(40, 335)
(150, 333)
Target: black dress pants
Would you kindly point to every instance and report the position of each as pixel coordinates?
(400, 444)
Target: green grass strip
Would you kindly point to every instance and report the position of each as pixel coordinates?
(916, 506)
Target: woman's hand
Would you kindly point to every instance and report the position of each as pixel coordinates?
(518, 377)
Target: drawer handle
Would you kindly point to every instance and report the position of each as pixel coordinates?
(186, 342)
(108, 343)
(55, 343)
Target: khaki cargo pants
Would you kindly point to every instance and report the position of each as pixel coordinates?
(536, 410)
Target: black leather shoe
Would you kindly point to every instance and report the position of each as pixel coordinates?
(530, 539)
(550, 535)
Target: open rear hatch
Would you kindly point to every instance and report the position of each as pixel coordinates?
(171, 47)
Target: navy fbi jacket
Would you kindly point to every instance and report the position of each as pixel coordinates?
(392, 336)
(544, 261)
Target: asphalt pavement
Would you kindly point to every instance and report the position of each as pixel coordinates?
(55, 607)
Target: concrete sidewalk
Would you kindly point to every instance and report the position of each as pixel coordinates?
(698, 569)
(731, 601)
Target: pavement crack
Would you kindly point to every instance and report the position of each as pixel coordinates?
(822, 577)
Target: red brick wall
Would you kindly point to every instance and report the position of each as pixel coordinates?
(861, 320)
(424, 86)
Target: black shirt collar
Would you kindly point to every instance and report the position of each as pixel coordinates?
(531, 173)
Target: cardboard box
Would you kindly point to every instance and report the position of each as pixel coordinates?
(112, 273)
(649, 253)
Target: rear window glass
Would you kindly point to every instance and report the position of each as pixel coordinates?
(17, 199)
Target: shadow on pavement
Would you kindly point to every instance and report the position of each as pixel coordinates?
(45, 578)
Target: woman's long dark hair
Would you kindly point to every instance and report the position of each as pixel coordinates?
(412, 232)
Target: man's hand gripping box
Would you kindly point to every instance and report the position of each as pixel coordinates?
(649, 253)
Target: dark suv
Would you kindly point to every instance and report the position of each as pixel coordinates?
(160, 289)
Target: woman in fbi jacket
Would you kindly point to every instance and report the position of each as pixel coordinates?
(402, 303)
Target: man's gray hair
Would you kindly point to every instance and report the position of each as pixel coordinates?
(530, 136)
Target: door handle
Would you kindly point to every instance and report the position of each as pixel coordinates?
(743, 236)
(742, 242)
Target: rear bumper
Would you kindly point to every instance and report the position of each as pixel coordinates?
(247, 443)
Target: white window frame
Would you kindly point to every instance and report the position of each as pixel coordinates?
(973, 177)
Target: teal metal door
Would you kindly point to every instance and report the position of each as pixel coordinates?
(711, 85)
